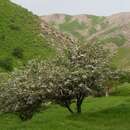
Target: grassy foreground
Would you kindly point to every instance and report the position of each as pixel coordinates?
(105, 113)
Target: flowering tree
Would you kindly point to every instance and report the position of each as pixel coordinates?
(87, 65)
(83, 71)
(25, 90)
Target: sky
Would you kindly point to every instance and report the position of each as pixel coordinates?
(73, 7)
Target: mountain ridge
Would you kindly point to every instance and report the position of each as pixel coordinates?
(112, 31)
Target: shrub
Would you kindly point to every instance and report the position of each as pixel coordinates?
(2, 37)
(17, 52)
(14, 27)
(6, 64)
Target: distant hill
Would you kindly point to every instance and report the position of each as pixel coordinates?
(113, 32)
(22, 38)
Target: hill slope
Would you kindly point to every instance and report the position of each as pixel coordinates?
(19, 31)
(22, 38)
(113, 32)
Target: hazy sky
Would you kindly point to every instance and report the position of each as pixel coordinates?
(98, 7)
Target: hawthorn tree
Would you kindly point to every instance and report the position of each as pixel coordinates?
(93, 60)
(25, 90)
(66, 79)
(87, 66)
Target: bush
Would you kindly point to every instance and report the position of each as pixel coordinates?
(14, 27)
(17, 52)
(6, 64)
(2, 37)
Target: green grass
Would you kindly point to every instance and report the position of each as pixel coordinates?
(105, 113)
(67, 18)
(19, 28)
(119, 40)
(92, 30)
(96, 19)
(71, 26)
(122, 58)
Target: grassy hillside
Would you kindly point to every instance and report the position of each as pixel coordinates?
(122, 58)
(20, 38)
(111, 32)
(105, 113)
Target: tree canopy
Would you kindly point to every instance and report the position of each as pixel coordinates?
(83, 71)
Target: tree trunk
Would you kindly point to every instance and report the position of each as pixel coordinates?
(79, 103)
(68, 107)
(70, 110)
(107, 92)
(79, 108)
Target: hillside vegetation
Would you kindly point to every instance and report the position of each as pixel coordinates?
(20, 38)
